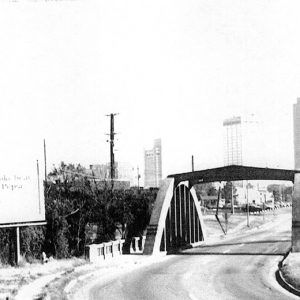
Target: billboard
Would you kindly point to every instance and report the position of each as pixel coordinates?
(22, 194)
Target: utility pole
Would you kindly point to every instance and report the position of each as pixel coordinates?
(112, 155)
(232, 199)
(248, 224)
(193, 163)
(138, 177)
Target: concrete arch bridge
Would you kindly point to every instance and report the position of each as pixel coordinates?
(176, 219)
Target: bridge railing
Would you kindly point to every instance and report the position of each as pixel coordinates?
(103, 251)
(137, 244)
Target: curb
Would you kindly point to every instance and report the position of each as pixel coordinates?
(280, 279)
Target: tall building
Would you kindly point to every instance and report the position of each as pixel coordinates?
(244, 145)
(243, 141)
(233, 141)
(153, 169)
(297, 134)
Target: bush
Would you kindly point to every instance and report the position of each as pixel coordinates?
(5, 248)
(71, 205)
(32, 239)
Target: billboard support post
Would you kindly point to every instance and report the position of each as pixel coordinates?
(22, 196)
(18, 252)
(38, 184)
(45, 162)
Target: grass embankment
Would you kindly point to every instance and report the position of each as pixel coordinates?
(235, 222)
(13, 278)
(291, 270)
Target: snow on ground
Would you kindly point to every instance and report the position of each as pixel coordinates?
(63, 279)
(14, 279)
(236, 222)
(291, 269)
(128, 263)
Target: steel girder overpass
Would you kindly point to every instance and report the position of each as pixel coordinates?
(176, 219)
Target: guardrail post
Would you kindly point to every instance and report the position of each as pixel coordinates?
(121, 246)
(104, 251)
(136, 244)
(143, 243)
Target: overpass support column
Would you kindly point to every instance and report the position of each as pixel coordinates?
(296, 215)
(159, 214)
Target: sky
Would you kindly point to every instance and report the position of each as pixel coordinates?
(171, 69)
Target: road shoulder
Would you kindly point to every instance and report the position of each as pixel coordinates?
(79, 284)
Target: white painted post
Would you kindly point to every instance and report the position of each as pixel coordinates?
(180, 215)
(136, 244)
(175, 216)
(190, 219)
(18, 252)
(143, 242)
(194, 227)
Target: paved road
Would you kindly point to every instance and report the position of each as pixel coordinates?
(240, 268)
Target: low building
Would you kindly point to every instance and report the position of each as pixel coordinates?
(211, 201)
(124, 172)
(117, 184)
(255, 196)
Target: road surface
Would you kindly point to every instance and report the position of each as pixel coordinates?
(240, 268)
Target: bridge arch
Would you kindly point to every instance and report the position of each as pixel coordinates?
(176, 219)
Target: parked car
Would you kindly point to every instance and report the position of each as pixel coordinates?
(252, 208)
(228, 206)
(268, 206)
(214, 206)
(255, 208)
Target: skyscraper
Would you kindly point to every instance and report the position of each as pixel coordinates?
(243, 141)
(297, 134)
(153, 170)
(233, 141)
